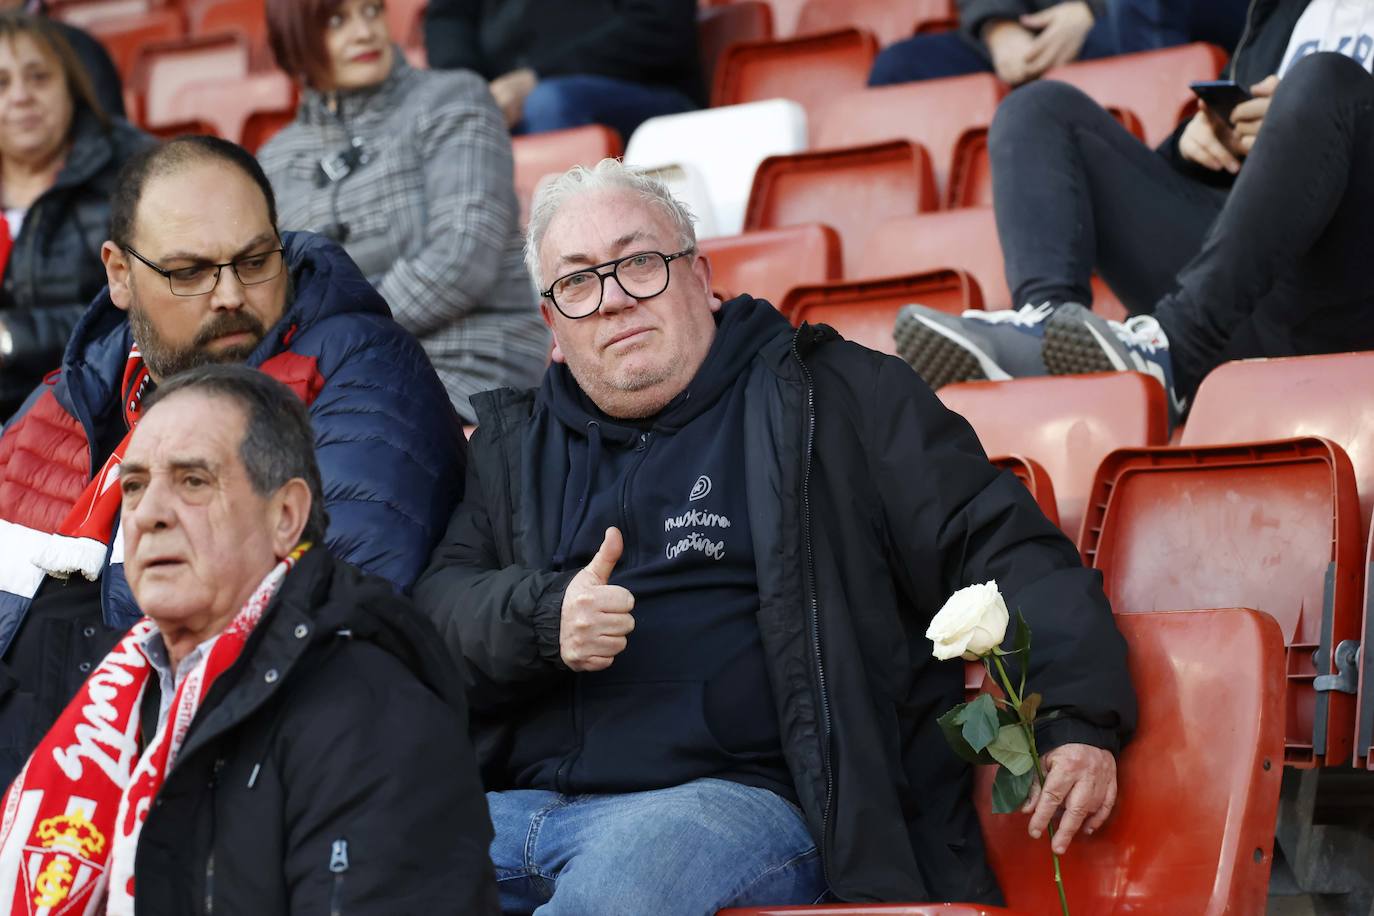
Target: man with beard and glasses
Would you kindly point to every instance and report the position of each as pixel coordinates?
(198, 273)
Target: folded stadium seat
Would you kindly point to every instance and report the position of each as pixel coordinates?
(889, 20)
(933, 113)
(724, 146)
(784, 14)
(86, 14)
(228, 106)
(850, 189)
(865, 311)
(1364, 698)
(809, 70)
(1270, 525)
(1067, 423)
(768, 263)
(964, 239)
(125, 35)
(718, 27)
(162, 69)
(1193, 827)
(247, 17)
(1033, 475)
(555, 151)
(1152, 84)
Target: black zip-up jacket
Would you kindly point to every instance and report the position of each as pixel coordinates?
(328, 771)
(874, 503)
(55, 270)
(641, 41)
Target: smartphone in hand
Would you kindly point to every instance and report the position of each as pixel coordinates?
(1221, 96)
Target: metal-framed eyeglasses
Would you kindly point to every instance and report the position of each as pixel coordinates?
(642, 275)
(199, 279)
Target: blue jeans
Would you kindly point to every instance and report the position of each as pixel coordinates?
(684, 851)
(941, 54)
(1144, 25)
(558, 102)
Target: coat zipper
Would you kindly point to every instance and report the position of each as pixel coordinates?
(338, 865)
(210, 860)
(813, 604)
(1244, 36)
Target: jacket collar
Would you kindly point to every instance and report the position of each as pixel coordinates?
(92, 149)
(357, 105)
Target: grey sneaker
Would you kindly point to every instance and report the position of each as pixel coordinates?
(1078, 341)
(978, 345)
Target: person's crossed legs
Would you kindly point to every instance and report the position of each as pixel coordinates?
(684, 851)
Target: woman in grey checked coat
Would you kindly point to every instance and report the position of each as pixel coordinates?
(411, 172)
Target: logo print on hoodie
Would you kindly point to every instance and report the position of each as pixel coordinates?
(701, 489)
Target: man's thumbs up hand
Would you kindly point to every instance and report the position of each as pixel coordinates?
(596, 616)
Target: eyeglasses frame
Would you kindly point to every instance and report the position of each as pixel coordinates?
(597, 269)
(219, 268)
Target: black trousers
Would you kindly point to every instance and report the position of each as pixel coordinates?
(1273, 266)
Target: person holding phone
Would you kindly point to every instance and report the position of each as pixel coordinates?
(1241, 236)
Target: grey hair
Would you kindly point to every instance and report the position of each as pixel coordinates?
(278, 443)
(608, 174)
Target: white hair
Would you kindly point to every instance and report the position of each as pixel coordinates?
(608, 174)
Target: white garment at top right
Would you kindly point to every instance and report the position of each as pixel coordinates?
(1343, 26)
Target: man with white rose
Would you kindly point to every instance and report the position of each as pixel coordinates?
(690, 583)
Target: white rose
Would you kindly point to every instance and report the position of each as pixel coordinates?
(972, 623)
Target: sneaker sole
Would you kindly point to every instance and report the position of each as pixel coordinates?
(1072, 347)
(939, 356)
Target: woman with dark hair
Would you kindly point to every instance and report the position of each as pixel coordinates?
(411, 172)
(59, 154)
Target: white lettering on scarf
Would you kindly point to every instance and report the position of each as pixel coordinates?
(100, 730)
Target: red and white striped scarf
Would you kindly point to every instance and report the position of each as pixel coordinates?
(70, 821)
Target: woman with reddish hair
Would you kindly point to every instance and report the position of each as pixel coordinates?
(411, 172)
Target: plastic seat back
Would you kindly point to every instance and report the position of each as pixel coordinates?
(768, 263)
(719, 27)
(1152, 85)
(963, 239)
(556, 151)
(1269, 525)
(1198, 786)
(1299, 396)
(866, 311)
(228, 106)
(262, 126)
(162, 69)
(850, 189)
(933, 113)
(809, 70)
(1035, 478)
(1067, 423)
(406, 19)
(1364, 676)
(125, 35)
(247, 17)
(87, 14)
(889, 20)
(785, 14)
(697, 138)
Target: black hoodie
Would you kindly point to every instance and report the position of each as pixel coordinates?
(689, 696)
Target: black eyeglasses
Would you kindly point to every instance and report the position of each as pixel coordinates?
(642, 275)
(200, 279)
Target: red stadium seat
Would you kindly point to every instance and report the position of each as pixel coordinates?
(1300, 396)
(890, 20)
(785, 14)
(808, 70)
(1193, 828)
(1033, 475)
(1067, 423)
(406, 18)
(964, 239)
(850, 189)
(555, 151)
(87, 14)
(866, 311)
(247, 17)
(1153, 85)
(124, 36)
(933, 113)
(719, 27)
(768, 263)
(262, 126)
(162, 69)
(1269, 525)
(1364, 697)
(228, 106)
